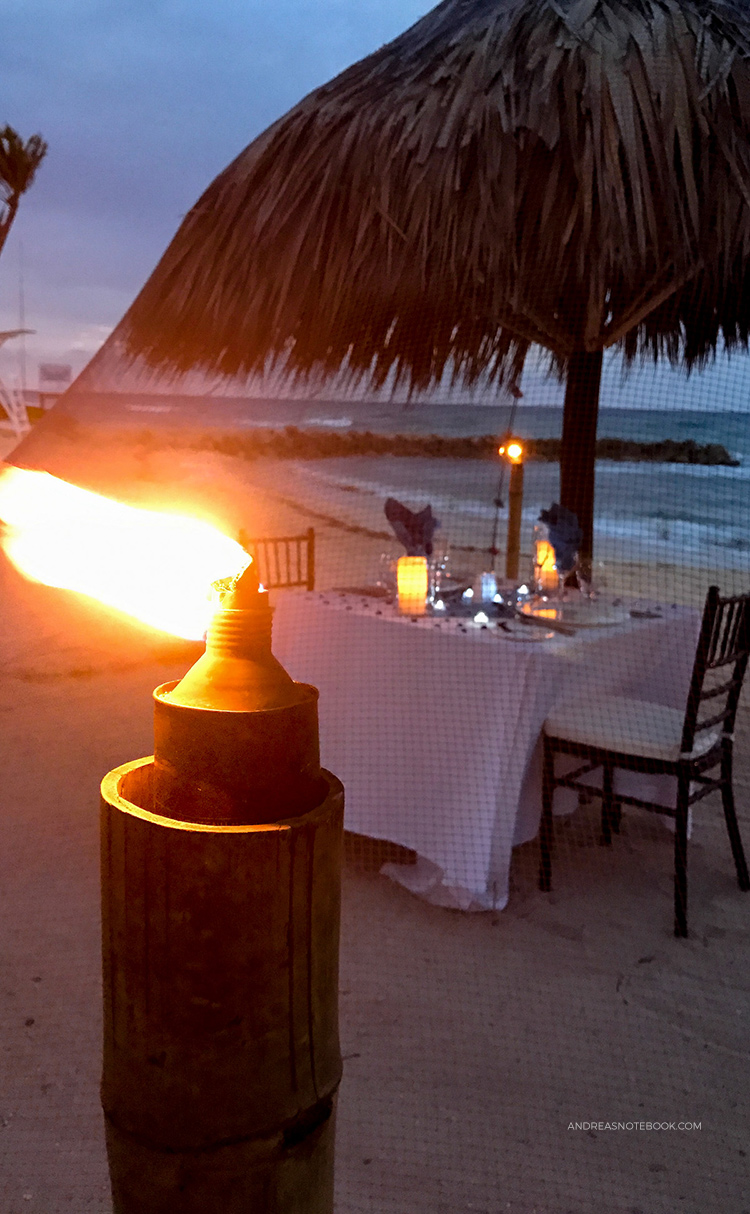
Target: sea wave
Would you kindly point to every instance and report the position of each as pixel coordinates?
(334, 423)
(673, 537)
(694, 471)
(674, 541)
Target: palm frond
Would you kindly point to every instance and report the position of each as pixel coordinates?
(19, 161)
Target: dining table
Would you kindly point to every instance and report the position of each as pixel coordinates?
(433, 722)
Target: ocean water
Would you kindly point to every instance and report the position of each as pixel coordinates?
(697, 516)
(677, 514)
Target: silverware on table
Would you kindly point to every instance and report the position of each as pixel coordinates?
(550, 625)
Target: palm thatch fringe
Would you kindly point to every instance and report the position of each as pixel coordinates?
(504, 172)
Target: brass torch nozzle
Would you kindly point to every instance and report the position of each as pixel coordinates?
(236, 740)
(238, 672)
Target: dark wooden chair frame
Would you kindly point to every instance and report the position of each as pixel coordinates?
(724, 641)
(284, 560)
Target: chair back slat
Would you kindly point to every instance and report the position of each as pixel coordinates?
(728, 637)
(283, 561)
(724, 640)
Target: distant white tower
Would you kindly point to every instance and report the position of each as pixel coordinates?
(13, 400)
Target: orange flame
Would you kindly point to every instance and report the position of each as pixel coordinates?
(156, 566)
(513, 451)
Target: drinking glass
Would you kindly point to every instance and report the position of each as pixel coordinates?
(386, 580)
(439, 570)
(564, 574)
(591, 577)
(545, 576)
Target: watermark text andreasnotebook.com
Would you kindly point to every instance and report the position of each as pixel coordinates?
(634, 1125)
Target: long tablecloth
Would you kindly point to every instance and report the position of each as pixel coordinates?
(434, 725)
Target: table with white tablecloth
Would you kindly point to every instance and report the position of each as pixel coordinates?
(434, 724)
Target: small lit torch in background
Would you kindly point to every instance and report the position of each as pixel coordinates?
(221, 876)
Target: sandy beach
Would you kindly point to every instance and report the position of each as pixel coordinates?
(472, 1043)
(274, 268)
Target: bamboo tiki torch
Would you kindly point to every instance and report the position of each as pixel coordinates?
(513, 452)
(221, 873)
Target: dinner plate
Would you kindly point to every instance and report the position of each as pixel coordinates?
(592, 615)
(580, 615)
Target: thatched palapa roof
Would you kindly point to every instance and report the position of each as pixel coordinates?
(573, 173)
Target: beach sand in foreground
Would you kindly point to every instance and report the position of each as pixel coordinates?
(471, 1043)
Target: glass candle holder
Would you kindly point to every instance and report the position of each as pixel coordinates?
(412, 582)
(546, 577)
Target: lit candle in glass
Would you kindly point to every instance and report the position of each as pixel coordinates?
(545, 570)
(412, 582)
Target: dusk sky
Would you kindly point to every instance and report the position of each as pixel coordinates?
(142, 103)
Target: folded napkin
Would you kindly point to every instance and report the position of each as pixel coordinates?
(414, 531)
(565, 535)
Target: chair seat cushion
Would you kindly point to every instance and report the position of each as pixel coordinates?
(631, 727)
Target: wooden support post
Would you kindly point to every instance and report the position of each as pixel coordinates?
(515, 506)
(578, 447)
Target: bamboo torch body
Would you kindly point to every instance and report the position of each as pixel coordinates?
(515, 506)
(514, 453)
(220, 909)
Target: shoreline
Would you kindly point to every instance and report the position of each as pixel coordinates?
(294, 443)
(267, 497)
(310, 442)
